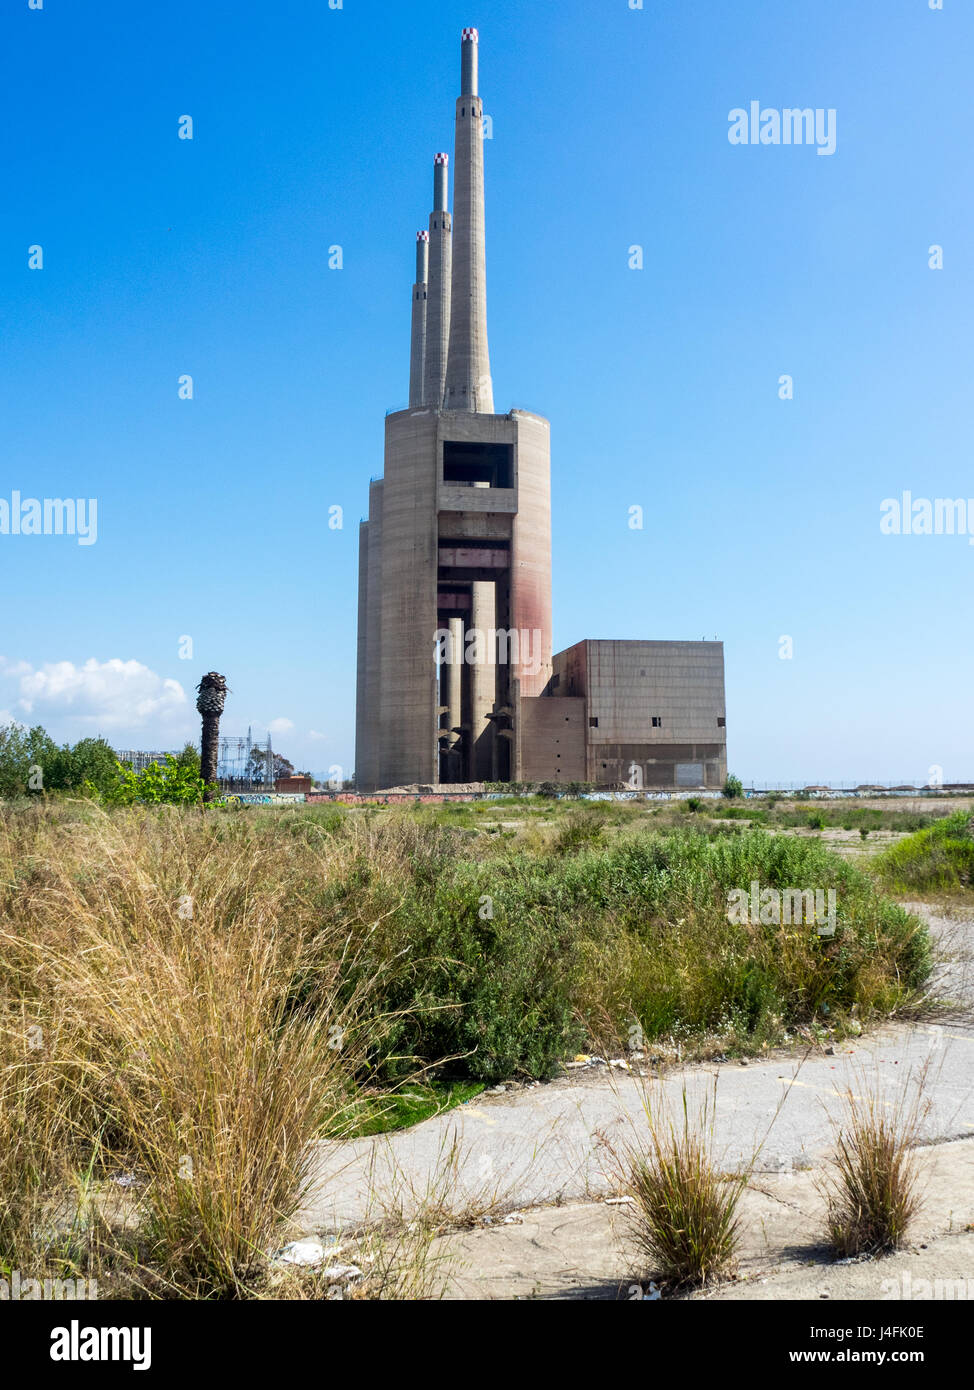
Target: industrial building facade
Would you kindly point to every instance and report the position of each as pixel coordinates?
(456, 677)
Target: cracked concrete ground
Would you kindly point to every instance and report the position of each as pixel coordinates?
(584, 1250)
(541, 1153)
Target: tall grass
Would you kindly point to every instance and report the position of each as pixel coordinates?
(872, 1193)
(193, 997)
(161, 957)
(684, 1220)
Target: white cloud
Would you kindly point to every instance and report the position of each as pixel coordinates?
(314, 734)
(104, 694)
(281, 726)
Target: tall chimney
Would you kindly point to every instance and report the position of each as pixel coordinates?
(468, 384)
(417, 354)
(438, 294)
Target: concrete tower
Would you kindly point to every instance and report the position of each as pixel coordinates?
(468, 384)
(456, 678)
(438, 294)
(455, 558)
(417, 354)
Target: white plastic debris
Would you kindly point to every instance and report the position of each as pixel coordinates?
(302, 1252)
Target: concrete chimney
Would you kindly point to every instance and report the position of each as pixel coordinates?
(468, 384)
(438, 293)
(417, 354)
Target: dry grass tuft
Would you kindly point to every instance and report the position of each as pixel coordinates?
(154, 1019)
(872, 1194)
(684, 1218)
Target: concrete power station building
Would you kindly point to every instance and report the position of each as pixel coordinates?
(456, 677)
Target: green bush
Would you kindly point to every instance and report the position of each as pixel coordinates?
(938, 859)
(177, 783)
(514, 958)
(733, 787)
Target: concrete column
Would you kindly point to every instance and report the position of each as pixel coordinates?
(451, 696)
(372, 736)
(361, 713)
(483, 684)
(438, 287)
(453, 673)
(408, 694)
(483, 680)
(468, 383)
(417, 353)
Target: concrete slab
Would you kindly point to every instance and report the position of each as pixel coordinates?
(539, 1144)
(585, 1250)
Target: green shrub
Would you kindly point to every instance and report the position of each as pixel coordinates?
(175, 784)
(938, 859)
(513, 957)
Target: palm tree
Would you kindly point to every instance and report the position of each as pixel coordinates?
(212, 693)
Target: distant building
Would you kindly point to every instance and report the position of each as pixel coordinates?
(456, 677)
(293, 784)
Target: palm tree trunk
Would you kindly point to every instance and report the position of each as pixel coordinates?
(209, 750)
(212, 692)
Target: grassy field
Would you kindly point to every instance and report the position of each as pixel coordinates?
(193, 997)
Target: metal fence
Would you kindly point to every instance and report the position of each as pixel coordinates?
(244, 763)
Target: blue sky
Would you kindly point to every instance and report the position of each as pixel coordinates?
(315, 127)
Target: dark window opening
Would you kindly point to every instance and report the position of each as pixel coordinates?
(465, 464)
(593, 723)
(721, 722)
(657, 722)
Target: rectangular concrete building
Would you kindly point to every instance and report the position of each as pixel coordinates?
(655, 714)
